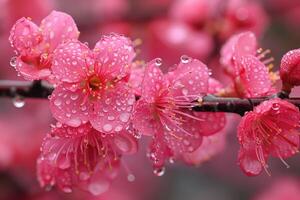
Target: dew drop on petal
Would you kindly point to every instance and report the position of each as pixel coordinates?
(124, 117)
(159, 171)
(13, 61)
(18, 102)
(84, 176)
(158, 62)
(57, 102)
(75, 122)
(107, 127)
(184, 59)
(74, 97)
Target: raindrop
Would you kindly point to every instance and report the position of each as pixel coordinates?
(13, 61)
(98, 187)
(107, 127)
(158, 62)
(18, 102)
(124, 117)
(184, 59)
(159, 171)
(275, 106)
(57, 102)
(67, 189)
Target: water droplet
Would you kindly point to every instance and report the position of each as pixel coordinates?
(64, 163)
(185, 59)
(131, 177)
(276, 106)
(158, 62)
(57, 102)
(124, 117)
(18, 102)
(74, 96)
(98, 187)
(184, 91)
(67, 189)
(111, 118)
(159, 171)
(74, 122)
(107, 127)
(13, 61)
(118, 128)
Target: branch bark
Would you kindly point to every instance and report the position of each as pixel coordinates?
(208, 103)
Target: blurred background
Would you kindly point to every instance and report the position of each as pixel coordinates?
(160, 28)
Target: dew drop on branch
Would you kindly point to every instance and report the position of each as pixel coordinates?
(18, 102)
(184, 59)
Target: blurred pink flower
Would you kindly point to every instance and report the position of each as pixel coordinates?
(35, 45)
(94, 84)
(271, 129)
(282, 188)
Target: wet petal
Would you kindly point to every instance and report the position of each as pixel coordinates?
(24, 36)
(71, 61)
(182, 137)
(125, 143)
(30, 71)
(114, 54)
(212, 122)
(69, 107)
(249, 163)
(189, 78)
(253, 79)
(143, 119)
(62, 130)
(113, 111)
(153, 83)
(58, 27)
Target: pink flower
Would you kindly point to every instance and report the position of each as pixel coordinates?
(243, 15)
(271, 129)
(35, 45)
(94, 84)
(82, 157)
(163, 111)
(248, 71)
(290, 68)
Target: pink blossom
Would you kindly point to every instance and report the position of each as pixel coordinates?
(244, 15)
(290, 68)
(82, 157)
(163, 110)
(249, 72)
(35, 45)
(271, 129)
(94, 84)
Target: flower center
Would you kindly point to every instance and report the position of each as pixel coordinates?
(95, 83)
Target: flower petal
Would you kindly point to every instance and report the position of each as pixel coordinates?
(184, 137)
(190, 78)
(143, 119)
(69, 107)
(113, 111)
(212, 122)
(249, 163)
(253, 79)
(114, 54)
(24, 36)
(58, 27)
(153, 83)
(125, 143)
(30, 71)
(70, 61)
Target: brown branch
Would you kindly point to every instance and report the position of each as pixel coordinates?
(209, 103)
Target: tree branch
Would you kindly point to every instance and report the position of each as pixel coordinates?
(208, 103)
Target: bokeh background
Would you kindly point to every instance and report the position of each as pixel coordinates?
(160, 28)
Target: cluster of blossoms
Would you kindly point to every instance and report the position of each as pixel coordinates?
(104, 102)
